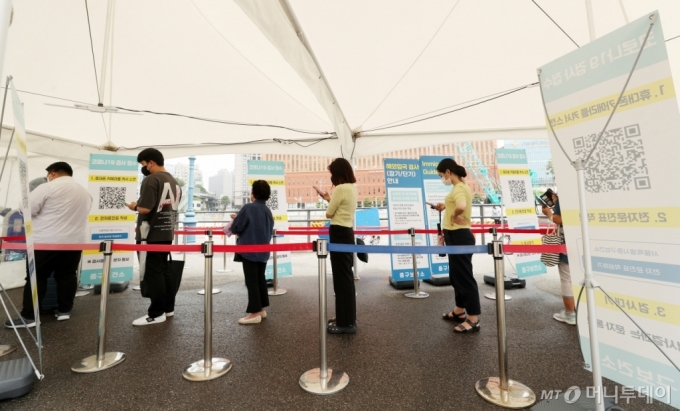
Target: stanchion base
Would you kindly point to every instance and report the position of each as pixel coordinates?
(225, 271)
(516, 396)
(492, 296)
(214, 291)
(197, 372)
(7, 349)
(90, 364)
(86, 287)
(312, 382)
(137, 288)
(83, 293)
(420, 294)
(279, 291)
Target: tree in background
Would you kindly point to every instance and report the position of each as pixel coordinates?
(201, 189)
(549, 168)
(225, 202)
(368, 202)
(180, 182)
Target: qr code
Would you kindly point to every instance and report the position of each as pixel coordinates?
(23, 176)
(273, 202)
(518, 191)
(618, 162)
(111, 198)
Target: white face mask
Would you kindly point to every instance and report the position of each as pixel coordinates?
(446, 181)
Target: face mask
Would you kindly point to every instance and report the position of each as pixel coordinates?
(446, 181)
(145, 171)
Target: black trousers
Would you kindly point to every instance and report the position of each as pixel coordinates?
(64, 264)
(343, 278)
(256, 284)
(158, 282)
(460, 272)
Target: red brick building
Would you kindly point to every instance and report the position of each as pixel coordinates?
(303, 172)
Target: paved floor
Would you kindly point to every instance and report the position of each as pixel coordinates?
(404, 357)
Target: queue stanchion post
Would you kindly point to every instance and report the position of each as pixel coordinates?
(322, 380)
(416, 283)
(494, 295)
(224, 258)
(102, 360)
(275, 266)
(209, 233)
(501, 390)
(209, 367)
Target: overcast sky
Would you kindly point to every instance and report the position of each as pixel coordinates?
(209, 165)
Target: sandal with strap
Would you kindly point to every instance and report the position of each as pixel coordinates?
(456, 318)
(460, 329)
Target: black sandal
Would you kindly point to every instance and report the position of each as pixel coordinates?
(456, 318)
(462, 330)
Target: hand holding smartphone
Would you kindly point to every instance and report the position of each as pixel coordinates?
(321, 193)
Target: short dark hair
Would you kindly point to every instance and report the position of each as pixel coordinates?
(341, 172)
(60, 167)
(151, 154)
(451, 165)
(261, 190)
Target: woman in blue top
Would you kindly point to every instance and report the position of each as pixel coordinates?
(254, 225)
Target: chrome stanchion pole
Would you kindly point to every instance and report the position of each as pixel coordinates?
(416, 283)
(275, 281)
(492, 296)
(500, 390)
(214, 290)
(208, 368)
(224, 258)
(322, 380)
(102, 360)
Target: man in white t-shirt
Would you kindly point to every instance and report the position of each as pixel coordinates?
(59, 211)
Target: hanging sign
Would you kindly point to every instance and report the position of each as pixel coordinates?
(518, 197)
(405, 209)
(633, 206)
(273, 173)
(112, 183)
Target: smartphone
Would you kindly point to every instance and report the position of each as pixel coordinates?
(432, 205)
(541, 202)
(321, 193)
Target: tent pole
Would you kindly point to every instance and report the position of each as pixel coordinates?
(105, 57)
(591, 20)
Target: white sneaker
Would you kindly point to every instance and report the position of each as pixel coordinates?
(62, 316)
(563, 316)
(146, 320)
(170, 314)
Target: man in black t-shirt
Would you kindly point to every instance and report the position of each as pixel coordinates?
(157, 206)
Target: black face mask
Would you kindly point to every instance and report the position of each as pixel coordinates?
(145, 171)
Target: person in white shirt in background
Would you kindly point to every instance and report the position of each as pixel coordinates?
(59, 210)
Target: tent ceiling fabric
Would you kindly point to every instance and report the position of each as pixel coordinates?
(385, 61)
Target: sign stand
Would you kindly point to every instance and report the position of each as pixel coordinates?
(275, 280)
(416, 283)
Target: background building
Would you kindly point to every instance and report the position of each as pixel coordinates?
(181, 171)
(303, 172)
(222, 184)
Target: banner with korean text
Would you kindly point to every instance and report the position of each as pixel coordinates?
(112, 182)
(434, 192)
(633, 206)
(405, 209)
(518, 197)
(273, 173)
(25, 205)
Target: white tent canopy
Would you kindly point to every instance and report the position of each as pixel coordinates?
(320, 71)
